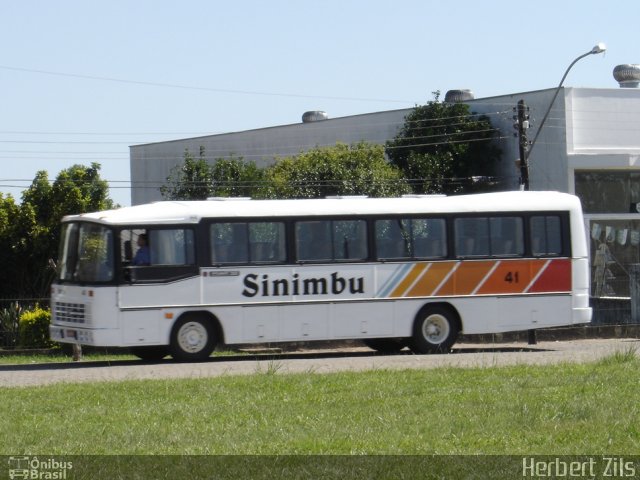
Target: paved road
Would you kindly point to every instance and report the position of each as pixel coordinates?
(356, 359)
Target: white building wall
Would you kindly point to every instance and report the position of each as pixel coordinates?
(603, 121)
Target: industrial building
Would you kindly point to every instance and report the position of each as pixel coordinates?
(590, 146)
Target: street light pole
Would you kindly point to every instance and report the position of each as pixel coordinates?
(525, 152)
(599, 48)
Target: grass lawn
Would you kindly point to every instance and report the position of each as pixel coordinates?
(60, 357)
(569, 409)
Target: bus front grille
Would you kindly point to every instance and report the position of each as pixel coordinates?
(69, 312)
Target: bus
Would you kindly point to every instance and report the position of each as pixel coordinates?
(182, 277)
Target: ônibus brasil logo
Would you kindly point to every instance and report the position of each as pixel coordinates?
(34, 468)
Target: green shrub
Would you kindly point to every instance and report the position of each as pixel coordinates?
(34, 328)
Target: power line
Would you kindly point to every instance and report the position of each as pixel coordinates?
(256, 183)
(192, 87)
(100, 134)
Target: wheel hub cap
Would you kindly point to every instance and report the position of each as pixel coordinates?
(435, 329)
(192, 337)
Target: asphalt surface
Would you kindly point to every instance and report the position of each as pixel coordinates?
(318, 362)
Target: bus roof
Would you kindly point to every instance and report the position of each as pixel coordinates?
(181, 212)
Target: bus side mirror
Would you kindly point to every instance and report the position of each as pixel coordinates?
(128, 253)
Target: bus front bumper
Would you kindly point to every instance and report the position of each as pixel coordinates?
(85, 336)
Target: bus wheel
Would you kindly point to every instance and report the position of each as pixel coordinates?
(192, 339)
(385, 345)
(435, 330)
(150, 354)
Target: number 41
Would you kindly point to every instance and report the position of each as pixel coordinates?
(512, 277)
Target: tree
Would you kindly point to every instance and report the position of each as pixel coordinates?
(30, 236)
(190, 181)
(443, 148)
(233, 177)
(358, 169)
(195, 179)
(10, 222)
(79, 189)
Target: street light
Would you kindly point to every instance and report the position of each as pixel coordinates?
(525, 153)
(599, 48)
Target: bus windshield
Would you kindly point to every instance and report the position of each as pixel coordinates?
(86, 253)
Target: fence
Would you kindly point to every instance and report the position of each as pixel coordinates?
(606, 311)
(10, 311)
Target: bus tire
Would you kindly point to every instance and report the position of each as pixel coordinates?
(385, 345)
(150, 354)
(193, 338)
(435, 329)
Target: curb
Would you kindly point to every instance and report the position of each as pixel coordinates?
(558, 333)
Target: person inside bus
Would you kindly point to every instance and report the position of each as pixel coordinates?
(143, 255)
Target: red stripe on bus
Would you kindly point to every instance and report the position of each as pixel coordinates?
(555, 278)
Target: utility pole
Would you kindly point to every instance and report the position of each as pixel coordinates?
(523, 143)
(522, 126)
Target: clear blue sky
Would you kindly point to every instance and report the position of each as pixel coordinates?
(81, 80)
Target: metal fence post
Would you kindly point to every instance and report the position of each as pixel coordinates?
(634, 288)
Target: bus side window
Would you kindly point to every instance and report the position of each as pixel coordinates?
(472, 237)
(392, 240)
(129, 245)
(546, 235)
(171, 246)
(506, 236)
(313, 241)
(429, 238)
(350, 240)
(267, 242)
(229, 243)
(128, 251)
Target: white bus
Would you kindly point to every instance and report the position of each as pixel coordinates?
(394, 272)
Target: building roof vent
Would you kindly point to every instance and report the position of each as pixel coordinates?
(457, 96)
(314, 116)
(628, 75)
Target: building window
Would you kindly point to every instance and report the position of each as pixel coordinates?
(608, 192)
(615, 245)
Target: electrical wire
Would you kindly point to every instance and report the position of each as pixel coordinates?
(196, 88)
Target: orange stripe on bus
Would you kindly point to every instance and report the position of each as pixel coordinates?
(431, 279)
(511, 276)
(485, 277)
(466, 278)
(408, 280)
